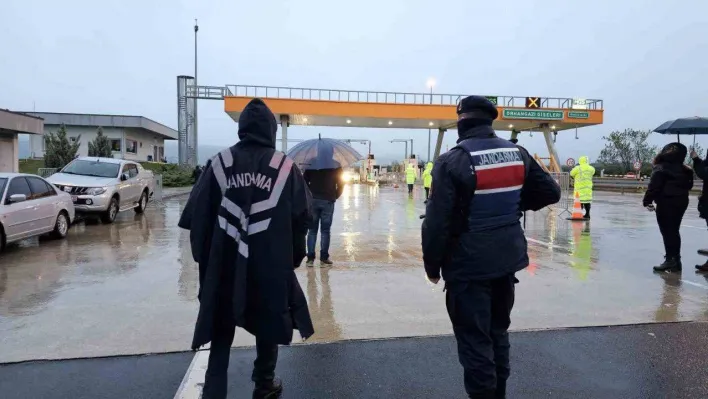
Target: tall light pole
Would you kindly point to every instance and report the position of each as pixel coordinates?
(431, 84)
(196, 135)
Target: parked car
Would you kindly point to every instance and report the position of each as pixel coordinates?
(30, 206)
(105, 186)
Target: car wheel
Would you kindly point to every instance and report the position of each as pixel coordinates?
(2, 239)
(110, 214)
(143, 203)
(61, 226)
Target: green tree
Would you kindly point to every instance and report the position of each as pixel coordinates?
(100, 146)
(627, 147)
(58, 149)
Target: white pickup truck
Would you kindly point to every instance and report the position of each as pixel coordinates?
(105, 186)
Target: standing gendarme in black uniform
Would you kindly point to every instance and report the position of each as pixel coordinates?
(248, 216)
(472, 233)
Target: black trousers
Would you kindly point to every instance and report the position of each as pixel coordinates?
(216, 375)
(410, 189)
(587, 208)
(480, 313)
(427, 193)
(669, 214)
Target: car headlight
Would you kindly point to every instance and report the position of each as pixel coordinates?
(96, 191)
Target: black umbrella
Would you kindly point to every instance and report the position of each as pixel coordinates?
(695, 125)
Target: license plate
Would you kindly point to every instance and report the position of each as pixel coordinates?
(74, 198)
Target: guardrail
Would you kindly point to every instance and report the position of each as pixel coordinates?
(619, 184)
(385, 97)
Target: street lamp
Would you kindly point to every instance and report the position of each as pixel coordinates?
(431, 84)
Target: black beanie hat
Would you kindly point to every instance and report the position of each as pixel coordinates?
(475, 111)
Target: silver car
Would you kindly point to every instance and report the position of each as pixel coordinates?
(30, 206)
(105, 186)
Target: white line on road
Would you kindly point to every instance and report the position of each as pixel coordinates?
(547, 244)
(693, 227)
(191, 386)
(705, 287)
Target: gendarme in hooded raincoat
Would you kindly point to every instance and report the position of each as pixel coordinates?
(247, 218)
(582, 174)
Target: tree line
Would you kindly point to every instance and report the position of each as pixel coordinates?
(624, 148)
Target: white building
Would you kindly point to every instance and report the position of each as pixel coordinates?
(135, 138)
(12, 124)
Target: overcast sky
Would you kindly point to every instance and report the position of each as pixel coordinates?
(648, 60)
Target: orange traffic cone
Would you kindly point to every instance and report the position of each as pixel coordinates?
(577, 209)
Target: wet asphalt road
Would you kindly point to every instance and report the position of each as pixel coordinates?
(130, 287)
(643, 361)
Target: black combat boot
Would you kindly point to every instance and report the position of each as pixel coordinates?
(483, 395)
(671, 264)
(702, 268)
(501, 389)
(268, 390)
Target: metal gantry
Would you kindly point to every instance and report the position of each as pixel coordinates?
(188, 92)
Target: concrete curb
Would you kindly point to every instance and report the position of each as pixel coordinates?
(174, 195)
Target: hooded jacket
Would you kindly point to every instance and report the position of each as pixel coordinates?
(410, 174)
(428, 175)
(670, 178)
(582, 175)
(247, 218)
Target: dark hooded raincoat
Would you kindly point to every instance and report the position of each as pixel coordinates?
(248, 218)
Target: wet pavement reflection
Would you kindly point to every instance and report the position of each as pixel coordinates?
(131, 287)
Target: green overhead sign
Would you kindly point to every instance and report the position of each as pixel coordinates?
(532, 114)
(578, 114)
(493, 99)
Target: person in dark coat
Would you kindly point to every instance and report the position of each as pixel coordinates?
(248, 218)
(700, 166)
(472, 233)
(326, 187)
(196, 173)
(670, 183)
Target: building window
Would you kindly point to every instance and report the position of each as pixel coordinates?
(115, 145)
(131, 146)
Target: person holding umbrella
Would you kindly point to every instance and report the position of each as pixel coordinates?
(670, 183)
(323, 160)
(700, 166)
(682, 126)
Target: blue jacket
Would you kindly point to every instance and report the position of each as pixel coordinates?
(472, 228)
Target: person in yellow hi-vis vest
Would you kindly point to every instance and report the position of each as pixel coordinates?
(582, 175)
(410, 178)
(428, 179)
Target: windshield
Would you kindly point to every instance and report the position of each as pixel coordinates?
(3, 181)
(92, 168)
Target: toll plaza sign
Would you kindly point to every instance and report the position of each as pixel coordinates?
(578, 114)
(494, 100)
(532, 114)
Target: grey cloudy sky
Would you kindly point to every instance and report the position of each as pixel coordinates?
(648, 60)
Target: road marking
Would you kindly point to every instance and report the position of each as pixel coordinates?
(693, 227)
(705, 287)
(193, 381)
(548, 244)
